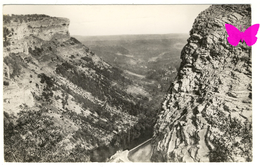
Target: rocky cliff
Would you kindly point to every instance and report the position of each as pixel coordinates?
(207, 113)
(17, 27)
(61, 101)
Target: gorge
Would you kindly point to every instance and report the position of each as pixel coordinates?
(207, 114)
(64, 103)
(61, 101)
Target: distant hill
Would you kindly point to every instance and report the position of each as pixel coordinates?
(151, 61)
(129, 37)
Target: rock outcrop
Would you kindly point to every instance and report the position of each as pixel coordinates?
(207, 113)
(44, 27)
(61, 101)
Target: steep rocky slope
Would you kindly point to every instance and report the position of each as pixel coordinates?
(207, 113)
(61, 101)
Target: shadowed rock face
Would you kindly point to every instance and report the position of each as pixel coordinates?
(206, 115)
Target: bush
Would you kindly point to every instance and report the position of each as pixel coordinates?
(14, 62)
(6, 32)
(36, 52)
(6, 83)
(41, 142)
(45, 79)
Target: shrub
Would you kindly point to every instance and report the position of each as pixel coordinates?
(14, 62)
(36, 52)
(6, 32)
(6, 83)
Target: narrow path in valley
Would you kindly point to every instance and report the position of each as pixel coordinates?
(134, 74)
(141, 153)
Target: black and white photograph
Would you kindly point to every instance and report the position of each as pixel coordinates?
(128, 83)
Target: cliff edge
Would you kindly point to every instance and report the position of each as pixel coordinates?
(62, 103)
(207, 113)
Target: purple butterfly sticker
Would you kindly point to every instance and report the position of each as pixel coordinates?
(235, 35)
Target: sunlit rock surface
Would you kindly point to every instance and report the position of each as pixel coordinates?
(62, 103)
(207, 114)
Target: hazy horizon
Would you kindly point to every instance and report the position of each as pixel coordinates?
(131, 34)
(109, 20)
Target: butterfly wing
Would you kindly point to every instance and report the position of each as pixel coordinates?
(234, 34)
(250, 34)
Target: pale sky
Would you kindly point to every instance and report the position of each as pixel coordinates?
(89, 20)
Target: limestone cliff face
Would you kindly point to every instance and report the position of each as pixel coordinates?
(40, 26)
(206, 115)
(61, 101)
(20, 34)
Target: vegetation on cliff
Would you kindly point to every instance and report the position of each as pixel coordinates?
(62, 102)
(207, 113)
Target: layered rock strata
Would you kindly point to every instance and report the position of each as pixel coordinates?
(61, 101)
(207, 113)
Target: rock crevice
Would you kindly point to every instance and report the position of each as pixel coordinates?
(206, 115)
